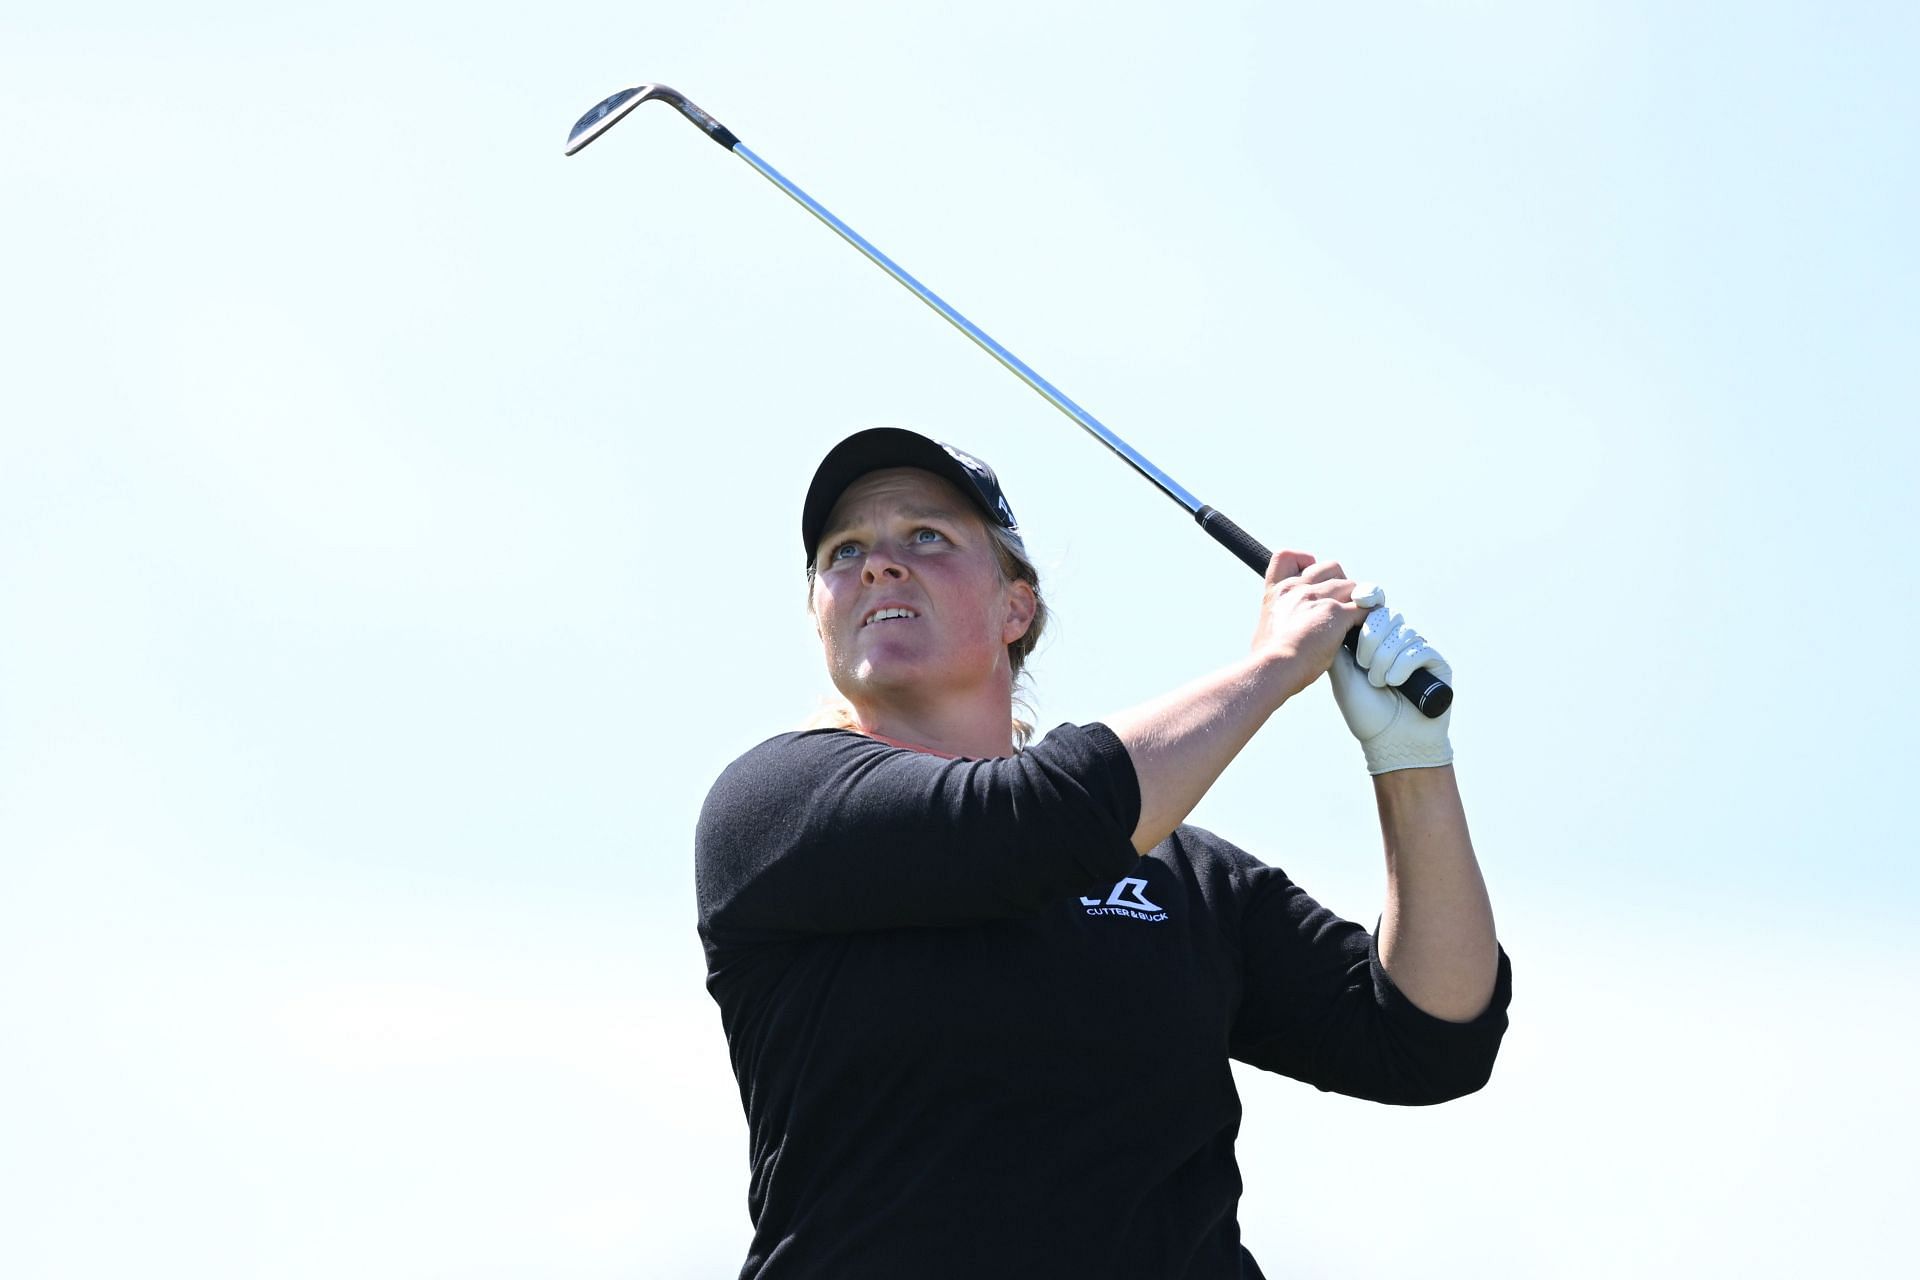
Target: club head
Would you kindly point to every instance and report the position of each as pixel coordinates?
(608, 113)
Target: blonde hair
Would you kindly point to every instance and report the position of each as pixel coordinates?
(837, 713)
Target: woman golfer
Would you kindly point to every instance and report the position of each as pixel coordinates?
(981, 996)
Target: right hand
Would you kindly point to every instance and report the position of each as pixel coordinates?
(1305, 612)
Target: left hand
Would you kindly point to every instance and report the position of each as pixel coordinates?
(1393, 734)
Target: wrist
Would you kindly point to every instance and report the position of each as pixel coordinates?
(1405, 787)
(1390, 756)
(1280, 673)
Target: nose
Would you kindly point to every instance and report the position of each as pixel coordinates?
(882, 563)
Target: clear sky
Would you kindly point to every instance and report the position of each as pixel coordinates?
(398, 533)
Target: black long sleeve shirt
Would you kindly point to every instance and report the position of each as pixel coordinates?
(976, 1035)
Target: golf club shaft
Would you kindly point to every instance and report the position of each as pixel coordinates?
(1426, 691)
(1015, 364)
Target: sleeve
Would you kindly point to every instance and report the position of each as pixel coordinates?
(829, 831)
(1317, 1004)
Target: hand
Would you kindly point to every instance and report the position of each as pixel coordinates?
(1393, 735)
(1305, 612)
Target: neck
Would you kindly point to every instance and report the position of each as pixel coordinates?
(978, 732)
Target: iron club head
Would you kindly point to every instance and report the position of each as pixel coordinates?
(610, 111)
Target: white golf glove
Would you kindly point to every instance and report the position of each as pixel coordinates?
(1392, 734)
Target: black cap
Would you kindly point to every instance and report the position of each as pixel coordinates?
(882, 447)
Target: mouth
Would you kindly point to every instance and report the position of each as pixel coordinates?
(888, 613)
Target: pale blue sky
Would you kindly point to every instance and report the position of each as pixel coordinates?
(397, 534)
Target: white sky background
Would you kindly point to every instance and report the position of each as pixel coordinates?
(397, 534)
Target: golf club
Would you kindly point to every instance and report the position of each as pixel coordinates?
(1424, 689)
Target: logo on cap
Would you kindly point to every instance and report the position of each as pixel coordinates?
(988, 484)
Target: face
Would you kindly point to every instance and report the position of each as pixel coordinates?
(908, 596)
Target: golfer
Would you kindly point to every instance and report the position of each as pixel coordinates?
(981, 993)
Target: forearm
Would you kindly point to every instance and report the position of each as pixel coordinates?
(1436, 934)
(1182, 741)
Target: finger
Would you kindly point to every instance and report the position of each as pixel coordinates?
(1323, 571)
(1391, 645)
(1369, 595)
(1287, 564)
(1412, 658)
(1377, 627)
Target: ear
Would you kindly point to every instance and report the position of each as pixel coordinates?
(1022, 604)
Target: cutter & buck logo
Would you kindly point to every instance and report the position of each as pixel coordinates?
(1129, 899)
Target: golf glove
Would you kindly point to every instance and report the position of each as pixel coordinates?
(1392, 734)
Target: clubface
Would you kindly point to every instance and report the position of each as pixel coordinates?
(607, 114)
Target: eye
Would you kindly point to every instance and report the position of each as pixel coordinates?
(928, 535)
(844, 551)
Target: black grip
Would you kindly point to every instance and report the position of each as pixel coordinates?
(1429, 694)
(1235, 539)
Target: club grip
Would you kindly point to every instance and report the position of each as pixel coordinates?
(1235, 539)
(1429, 694)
